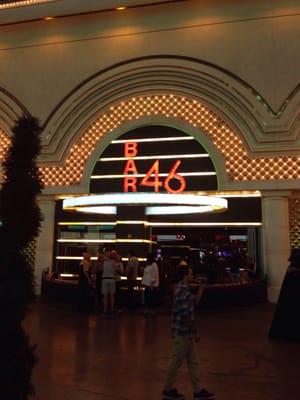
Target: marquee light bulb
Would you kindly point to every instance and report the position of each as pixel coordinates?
(223, 136)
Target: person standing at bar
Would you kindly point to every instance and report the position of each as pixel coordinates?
(120, 271)
(85, 298)
(184, 335)
(131, 273)
(108, 285)
(150, 282)
(98, 267)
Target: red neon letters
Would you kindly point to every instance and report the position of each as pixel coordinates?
(174, 175)
(152, 177)
(150, 180)
(130, 149)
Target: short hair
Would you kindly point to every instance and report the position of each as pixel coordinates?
(151, 258)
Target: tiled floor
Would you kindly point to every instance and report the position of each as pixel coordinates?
(88, 358)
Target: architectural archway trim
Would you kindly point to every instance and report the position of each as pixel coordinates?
(165, 109)
(10, 110)
(238, 103)
(224, 138)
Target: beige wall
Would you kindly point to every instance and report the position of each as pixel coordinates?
(41, 62)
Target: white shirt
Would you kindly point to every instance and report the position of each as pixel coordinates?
(151, 275)
(109, 268)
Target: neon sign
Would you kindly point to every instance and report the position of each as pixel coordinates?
(152, 177)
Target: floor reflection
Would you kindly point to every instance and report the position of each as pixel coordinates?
(88, 357)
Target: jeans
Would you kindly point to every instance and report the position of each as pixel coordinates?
(183, 349)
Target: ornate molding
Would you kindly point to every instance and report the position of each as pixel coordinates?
(263, 131)
(10, 110)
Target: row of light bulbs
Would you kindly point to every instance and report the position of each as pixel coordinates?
(294, 222)
(22, 3)
(238, 164)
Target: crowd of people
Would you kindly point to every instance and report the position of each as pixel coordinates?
(99, 283)
(225, 267)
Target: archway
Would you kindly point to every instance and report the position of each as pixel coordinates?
(145, 155)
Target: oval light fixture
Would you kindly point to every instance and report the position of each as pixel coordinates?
(173, 203)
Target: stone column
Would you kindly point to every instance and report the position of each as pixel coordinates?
(276, 243)
(45, 240)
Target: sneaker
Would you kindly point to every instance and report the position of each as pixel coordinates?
(203, 394)
(172, 394)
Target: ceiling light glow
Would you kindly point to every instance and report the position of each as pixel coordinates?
(185, 203)
(156, 157)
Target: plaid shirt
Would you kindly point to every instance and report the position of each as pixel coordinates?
(183, 310)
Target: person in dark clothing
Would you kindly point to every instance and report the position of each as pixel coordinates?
(286, 321)
(131, 273)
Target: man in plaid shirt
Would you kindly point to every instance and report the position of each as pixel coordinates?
(184, 334)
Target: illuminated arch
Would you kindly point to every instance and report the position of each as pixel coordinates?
(224, 138)
(187, 114)
(220, 90)
(216, 107)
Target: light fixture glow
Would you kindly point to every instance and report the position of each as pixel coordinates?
(86, 241)
(145, 140)
(96, 203)
(67, 275)
(72, 258)
(143, 199)
(134, 241)
(124, 278)
(86, 223)
(237, 195)
(171, 210)
(173, 224)
(133, 222)
(121, 176)
(111, 210)
(78, 258)
(207, 224)
(104, 241)
(156, 157)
